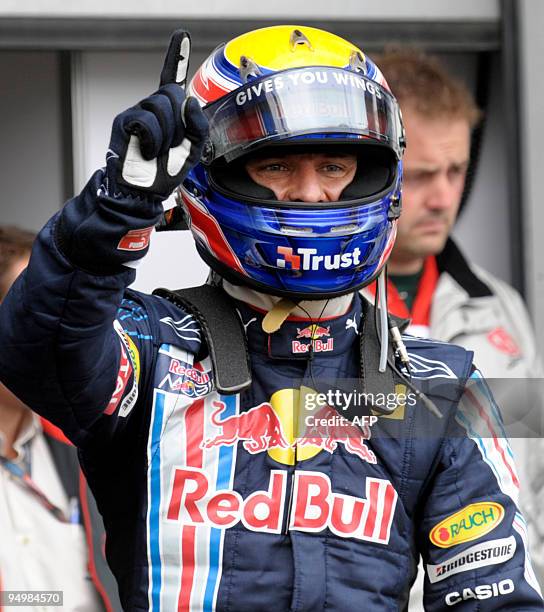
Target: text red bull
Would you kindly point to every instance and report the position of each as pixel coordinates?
(182, 369)
(189, 380)
(314, 506)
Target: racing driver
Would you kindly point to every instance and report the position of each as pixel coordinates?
(231, 470)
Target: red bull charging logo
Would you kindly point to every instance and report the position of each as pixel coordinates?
(261, 429)
(326, 429)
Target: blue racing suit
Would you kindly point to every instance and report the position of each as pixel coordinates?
(269, 499)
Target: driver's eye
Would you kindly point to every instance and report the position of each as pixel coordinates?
(274, 168)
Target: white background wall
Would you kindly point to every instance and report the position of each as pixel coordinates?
(482, 229)
(532, 62)
(30, 151)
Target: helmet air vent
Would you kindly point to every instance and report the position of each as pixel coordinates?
(248, 68)
(293, 230)
(357, 62)
(345, 229)
(298, 38)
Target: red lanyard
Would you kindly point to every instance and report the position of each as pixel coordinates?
(421, 309)
(24, 479)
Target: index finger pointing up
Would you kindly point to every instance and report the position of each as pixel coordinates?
(176, 62)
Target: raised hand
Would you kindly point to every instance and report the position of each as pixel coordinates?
(156, 142)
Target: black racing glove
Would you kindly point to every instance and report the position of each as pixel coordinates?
(155, 143)
(153, 146)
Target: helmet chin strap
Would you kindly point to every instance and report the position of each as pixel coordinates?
(381, 302)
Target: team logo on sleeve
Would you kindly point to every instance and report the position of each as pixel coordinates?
(469, 523)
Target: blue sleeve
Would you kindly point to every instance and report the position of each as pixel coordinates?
(473, 537)
(60, 351)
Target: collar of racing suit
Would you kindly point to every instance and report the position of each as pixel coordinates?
(314, 329)
(312, 310)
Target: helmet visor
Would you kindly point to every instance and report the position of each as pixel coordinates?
(303, 102)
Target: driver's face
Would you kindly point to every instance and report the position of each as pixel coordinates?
(304, 177)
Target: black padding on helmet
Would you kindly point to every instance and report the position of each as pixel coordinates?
(376, 169)
(233, 178)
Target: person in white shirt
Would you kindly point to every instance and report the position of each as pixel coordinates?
(43, 495)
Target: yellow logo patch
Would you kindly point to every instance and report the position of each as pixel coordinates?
(134, 355)
(467, 524)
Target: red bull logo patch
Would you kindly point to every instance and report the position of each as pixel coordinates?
(182, 369)
(314, 507)
(186, 379)
(314, 333)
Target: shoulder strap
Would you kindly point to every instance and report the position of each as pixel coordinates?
(223, 331)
